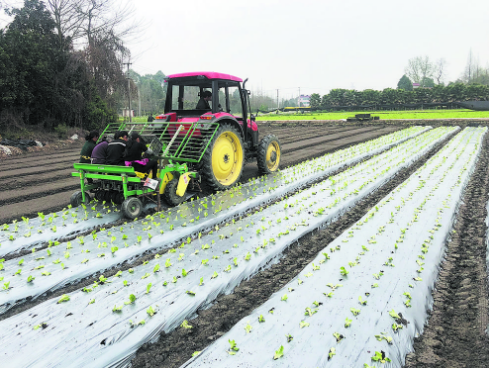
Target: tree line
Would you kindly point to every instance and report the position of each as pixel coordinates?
(429, 75)
(390, 96)
(45, 79)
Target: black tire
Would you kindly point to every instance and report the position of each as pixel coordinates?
(76, 199)
(132, 207)
(99, 195)
(119, 198)
(107, 196)
(170, 193)
(113, 196)
(268, 165)
(219, 181)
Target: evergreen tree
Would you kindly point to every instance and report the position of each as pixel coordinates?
(405, 83)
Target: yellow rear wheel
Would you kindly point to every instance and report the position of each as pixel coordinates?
(269, 154)
(224, 158)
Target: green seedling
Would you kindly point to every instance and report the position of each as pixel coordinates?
(186, 325)
(303, 324)
(338, 336)
(261, 319)
(348, 322)
(332, 352)
(279, 353)
(132, 299)
(151, 312)
(393, 314)
(284, 298)
(248, 327)
(343, 271)
(189, 292)
(309, 312)
(380, 357)
(233, 348)
(64, 298)
(355, 312)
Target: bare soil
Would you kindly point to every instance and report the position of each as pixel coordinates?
(456, 332)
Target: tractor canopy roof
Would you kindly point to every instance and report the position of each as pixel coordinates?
(206, 75)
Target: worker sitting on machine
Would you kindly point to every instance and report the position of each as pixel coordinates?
(203, 103)
(116, 149)
(136, 146)
(99, 153)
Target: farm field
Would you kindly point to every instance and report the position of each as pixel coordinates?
(369, 244)
(384, 115)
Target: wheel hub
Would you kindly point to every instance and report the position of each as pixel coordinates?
(226, 158)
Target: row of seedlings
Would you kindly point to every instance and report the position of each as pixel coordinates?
(162, 293)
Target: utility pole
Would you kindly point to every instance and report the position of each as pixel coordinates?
(299, 96)
(277, 99)
(139, 95)
(129, 91)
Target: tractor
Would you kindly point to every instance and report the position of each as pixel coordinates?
(192, 145)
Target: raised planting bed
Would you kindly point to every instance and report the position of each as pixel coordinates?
(108, 321)
(68, 262)
(365, 297)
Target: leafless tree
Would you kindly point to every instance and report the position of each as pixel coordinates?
(419, 68)
(82, 20)
(69, 22)
(440, 70)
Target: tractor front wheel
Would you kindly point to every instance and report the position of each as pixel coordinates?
(268, 157)
(170, 193)
(132, 207)
(77, 199)
(223, 160)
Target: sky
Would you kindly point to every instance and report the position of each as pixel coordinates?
(314, 45)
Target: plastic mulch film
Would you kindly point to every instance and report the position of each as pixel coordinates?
(105, 323)
(64, 263)
(365, 297)
(30, 232)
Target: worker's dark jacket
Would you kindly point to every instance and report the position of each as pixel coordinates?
(115, 152)
(86, 152)
(203, 105)
(135, 152)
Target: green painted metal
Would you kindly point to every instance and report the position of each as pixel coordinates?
(188, 147)
(193, 143)
(111, 128)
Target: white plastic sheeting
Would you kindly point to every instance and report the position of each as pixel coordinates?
(392, 256)
(69, 262)
(31, 232)
(85, 331)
